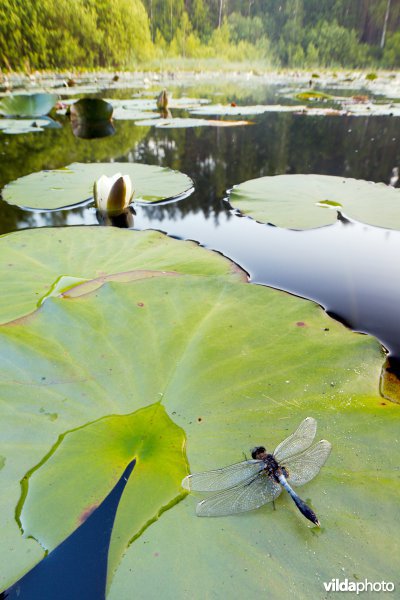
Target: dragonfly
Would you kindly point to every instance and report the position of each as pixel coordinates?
(249, 484)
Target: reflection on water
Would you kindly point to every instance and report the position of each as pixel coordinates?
(349, 268)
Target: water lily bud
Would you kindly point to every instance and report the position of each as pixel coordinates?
(163, 100)
(113, 194)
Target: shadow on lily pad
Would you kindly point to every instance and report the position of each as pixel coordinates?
(77, 568)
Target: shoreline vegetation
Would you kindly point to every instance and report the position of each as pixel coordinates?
(160, 34)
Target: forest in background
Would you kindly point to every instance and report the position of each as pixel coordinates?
(127, 34)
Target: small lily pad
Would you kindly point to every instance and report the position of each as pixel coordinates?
(184, 123)
(313, 96)
(219, 109)
(15, 126)
(27, 105)
(300, 201)
(133, 114)
(61, 188)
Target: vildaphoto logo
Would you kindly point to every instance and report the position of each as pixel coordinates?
(347, 585)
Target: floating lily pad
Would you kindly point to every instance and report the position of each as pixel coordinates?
(49, 190)
(27, 105)
(303, 201)
(42, 262)
(229, 383)
(219, 109)
(180, 122)
(15, 126)
(313, 96)
(376, 110)
(133, 114)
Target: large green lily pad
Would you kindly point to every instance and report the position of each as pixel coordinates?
(60, 188)
(234, 365)
(34, 261)
(308, 201)
(27, 105)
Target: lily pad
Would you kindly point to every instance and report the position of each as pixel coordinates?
(306, 201)
(229, 383)
(140, 104)
(133, 114)
(180, 122)
(61, 188)
(40, 262)
(27, 105)
(376, 110)
(16, 126)
(313, 96)
(219, 109)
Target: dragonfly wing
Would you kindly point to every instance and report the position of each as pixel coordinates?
(305, 466)
(259, 491)
(301, 439)
(222, 479)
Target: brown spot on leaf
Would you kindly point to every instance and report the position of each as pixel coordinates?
(301, 324)
(140, 304)
(87, 512)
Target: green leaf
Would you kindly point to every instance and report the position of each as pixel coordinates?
(91, 459)
(306, 201)
(313, 96)
(27, 105)
(49, 190)
(219, 109)
(16, 126)
(180, 122)
(234, 365)
(42, 262)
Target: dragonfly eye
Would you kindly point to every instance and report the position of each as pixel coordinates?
(257, 451)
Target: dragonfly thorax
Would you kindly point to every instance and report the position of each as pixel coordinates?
(272, 467)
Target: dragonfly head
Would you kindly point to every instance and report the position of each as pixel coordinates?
(258, 452)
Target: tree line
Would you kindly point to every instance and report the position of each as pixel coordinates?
(42, 34)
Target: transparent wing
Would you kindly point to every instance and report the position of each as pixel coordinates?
(305, 466)
(222, 479)
(301, 439)
(259, 491)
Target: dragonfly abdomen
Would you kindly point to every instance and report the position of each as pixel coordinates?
(301, 505)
